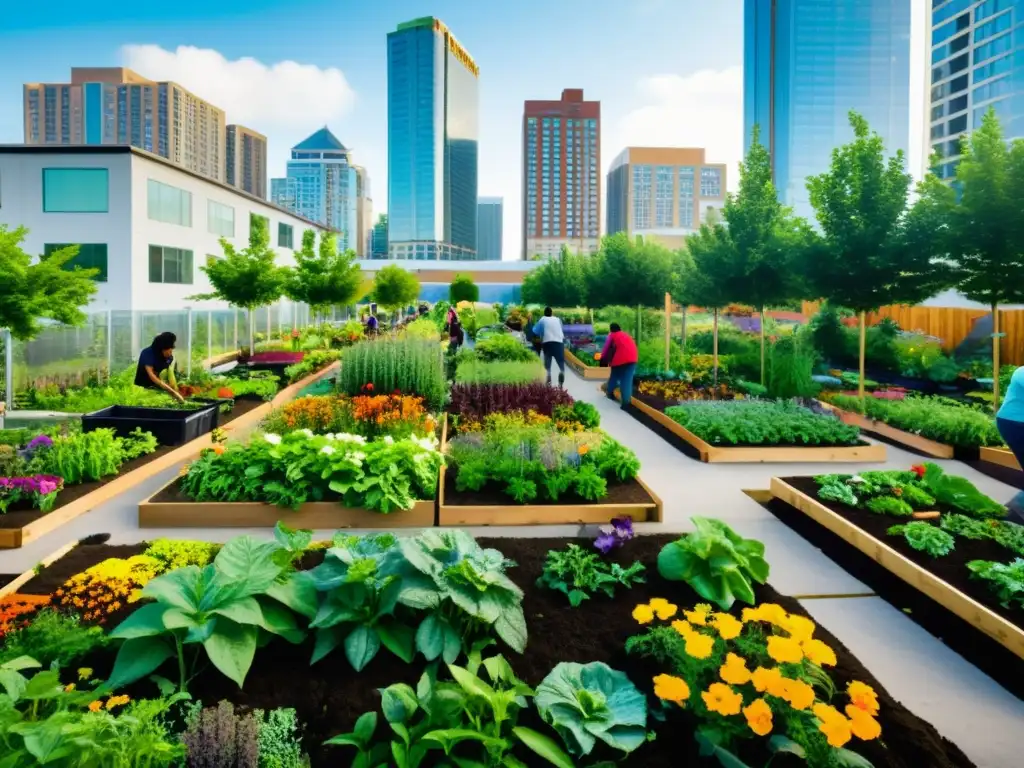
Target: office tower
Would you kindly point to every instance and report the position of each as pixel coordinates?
(561, 186)
(114, 105)
(432, 143)
(489, 219)
(664, 193)
(320, 184)
(364, 213)
(379, 238)
(976, 64)
(246, 166)
(806, 64)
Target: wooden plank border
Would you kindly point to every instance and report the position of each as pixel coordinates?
(899, 436)
(713, 454)
(12, 538)
(1002, 456)
(584, 371)
(992, 624)
(12, 587)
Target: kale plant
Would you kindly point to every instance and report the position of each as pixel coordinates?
(925, 537)
(579, 574)
(1005, 580)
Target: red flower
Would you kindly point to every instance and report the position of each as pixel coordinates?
(918, 469)
(368, 387)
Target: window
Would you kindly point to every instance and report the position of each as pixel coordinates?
(169, 204)
(220, 219)
(76, 190)
(958, 125)
(255, 220)
(170, 265)
(284, 235)
(710, 182)
(90, 256)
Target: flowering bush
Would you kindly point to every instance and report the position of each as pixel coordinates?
(272, 358)
(41, 490)
(752, 677)
(106, 587)
(16, 609)
(366, 415)
(680, 390)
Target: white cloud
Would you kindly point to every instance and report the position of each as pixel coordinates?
(286, 97)
(704, 109)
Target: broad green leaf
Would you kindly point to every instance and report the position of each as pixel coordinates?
(22, 662)
(244, 610)
(365, 726)
(430, 636)
(326, 641)
(231, 648)
(175, 618)
(137, 658)
(43, 685)
(470, 683)
(361, 645)
(248, 564)
(397, 638)
(145, 622)
(449, 737)
(398, 703)
(13, 683)
(181, 588)
(511, 627)
(543, 746)
(847, 759)
(298, 592)
(45, 740)
(780, 743)
(277, 619)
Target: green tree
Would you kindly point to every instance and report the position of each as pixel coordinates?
(462, 288)
(765, 240)
(682, 266)
(986, 229)
(394, 288)
(705, 277)
(247, 278)
(323, 277)
(865, 257)
(629, 272)
(46, 289)
(559, 282)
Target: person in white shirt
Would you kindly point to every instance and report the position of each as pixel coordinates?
(549, 330)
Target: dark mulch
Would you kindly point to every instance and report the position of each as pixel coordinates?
(963, 637)
(329, 697)
(19, 518)
(493, 494)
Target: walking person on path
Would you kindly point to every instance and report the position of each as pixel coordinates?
(552, 343)
(620, 355)
(1010, 422)
(455, 333)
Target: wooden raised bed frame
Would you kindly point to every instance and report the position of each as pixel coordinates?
(767, 454)
(1002, 456)
(899, 436)
(586, 372)
(992, 624)
(12, 538)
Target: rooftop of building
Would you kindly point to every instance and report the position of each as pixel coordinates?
(125, 149)
(491, 200)
(663, 156)
(572, 100)
(244, 129)
(321, 141)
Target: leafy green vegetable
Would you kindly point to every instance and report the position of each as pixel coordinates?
(719, 564)
(579, 574)
(590, 702)
(837, 490)
(889, 505)
(758, 422)
(925, 537)
(1005, 580)
(960, 492)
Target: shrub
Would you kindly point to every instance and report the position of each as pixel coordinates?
(406, 365)
(790, 367)
(503, 347)
(754, 422)
(499, 372)
(474, 402)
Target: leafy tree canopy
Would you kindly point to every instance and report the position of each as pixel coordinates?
(463, 288)
(46, 289)
(323, 277)
(630, 272)
(560, 282)
(250, 277)
(704, 276)
(394, 288)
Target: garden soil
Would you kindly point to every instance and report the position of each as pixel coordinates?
(330, 696)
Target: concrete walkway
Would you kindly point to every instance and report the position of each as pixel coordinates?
(967, 706)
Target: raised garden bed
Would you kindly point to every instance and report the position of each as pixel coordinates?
(946, 579)
(170, 426)
(329, 697)
(863, 452)
(588, 372)
(1002, 457)
(897, 436)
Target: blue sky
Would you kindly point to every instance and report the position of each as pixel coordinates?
(666, 71)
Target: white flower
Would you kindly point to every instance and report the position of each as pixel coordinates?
(357, 456)
(388, 440)
(347, 438)
(307, 432)
(272, 438)
(328, 449)
(328, 436)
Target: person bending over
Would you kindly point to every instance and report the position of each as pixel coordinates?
(552, 343)
(620, 354)
(154, 360)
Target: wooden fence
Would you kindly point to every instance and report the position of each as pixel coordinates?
(950, 324)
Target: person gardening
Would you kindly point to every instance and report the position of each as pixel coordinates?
(620, 355)
(1010, 423)
(154, 360)
(552, 343)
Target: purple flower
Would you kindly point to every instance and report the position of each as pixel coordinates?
(606, 542)
(615, 535)
(37, 442)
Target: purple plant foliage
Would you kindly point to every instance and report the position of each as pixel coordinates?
(615, 535)
(747, 324)
(473, 402)
(38, 442)
(277, 357)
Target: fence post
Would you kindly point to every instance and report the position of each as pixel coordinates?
(8, 367)
(110, 343)
(188, 341)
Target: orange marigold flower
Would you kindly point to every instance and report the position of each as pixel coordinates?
(95, 706)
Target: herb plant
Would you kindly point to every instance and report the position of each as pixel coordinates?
(408, 366)
(504, 347)
(889, 505)
(755, 422)
(1006, 580)
(500, 372)
(579, 574)
(925, 537)
(960, 492)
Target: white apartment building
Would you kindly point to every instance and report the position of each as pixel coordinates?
(146, 223)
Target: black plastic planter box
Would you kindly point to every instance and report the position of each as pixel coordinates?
(170, 426)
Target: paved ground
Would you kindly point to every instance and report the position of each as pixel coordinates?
(967, 706)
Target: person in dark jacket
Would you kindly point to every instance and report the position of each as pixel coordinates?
(153, 360)
(620, 354)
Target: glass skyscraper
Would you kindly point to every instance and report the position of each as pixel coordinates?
(433, 107)
(806, 64)
(977, 63)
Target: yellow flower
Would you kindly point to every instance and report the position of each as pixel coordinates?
(799, 627)
(69, 688)
(798, 693)
(734, 671)
(643, 614)
(785, 650)
(835, 727)
(682, 627)
(696, 617)
(699, 646)
(95, 706)
(770, 612)
(722, 699)
(767, 680)
(819, 653)
(728, 626)
(863, 725)
(663, 609)
(759, 717)
(863, 697)
(117, 701)
(671, 688)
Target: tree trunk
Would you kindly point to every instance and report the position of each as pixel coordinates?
(863, 347)
(996, 340)
(684, 335)
(762, 346)
(714, 348)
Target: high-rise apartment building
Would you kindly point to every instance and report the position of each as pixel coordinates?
(433, 107)
(321, 185)
(806, 64)
(246, 167)
(114, 105)
(561, 182)
(379, 238)
(364, 213)
(664, 193)
(977, 63)
(489, 220)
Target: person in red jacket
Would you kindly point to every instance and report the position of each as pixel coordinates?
(620, 355)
